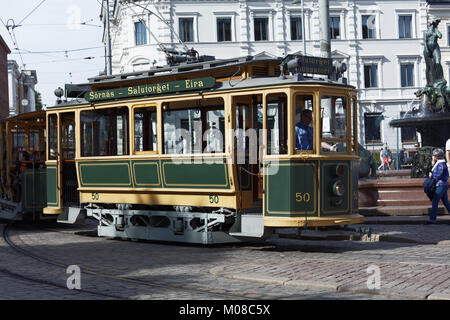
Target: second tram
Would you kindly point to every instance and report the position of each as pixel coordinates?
(23, 172)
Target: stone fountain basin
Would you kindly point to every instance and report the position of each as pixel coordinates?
(421, 120)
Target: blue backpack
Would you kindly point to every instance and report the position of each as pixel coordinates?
(429, 187)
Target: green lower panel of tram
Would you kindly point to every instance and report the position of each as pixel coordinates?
(52, 186)
(164, 173)
(34, 190)
(309, 188)
(290, 189)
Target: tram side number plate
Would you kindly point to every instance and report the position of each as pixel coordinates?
(213, 198)
(302, 197)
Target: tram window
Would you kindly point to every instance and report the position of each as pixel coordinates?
(243, 123)
(276, 123)
(34, 141)
(104, 132)
(3, 146)
(145, 129)
(182, 131)
(215, 131)
(334, 123)
(304, 134)
(52, 136)
(196, 129)
(67, 123)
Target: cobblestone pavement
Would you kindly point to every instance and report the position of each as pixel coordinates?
(280, 268)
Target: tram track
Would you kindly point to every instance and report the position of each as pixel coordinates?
(36, 280)
(126, 280)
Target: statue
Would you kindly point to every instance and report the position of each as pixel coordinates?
(436, 91)
(433, 117)
(432, 54)
(421, 163)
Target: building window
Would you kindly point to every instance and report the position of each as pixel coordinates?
(408, 133)
(368, 27)
(371, 76)
(186, 31)
(407, 75)
(223, 29)
(372, 127)
(296, 28)
(404, 26)
(261, 29)
(335, 27)
(140, 33)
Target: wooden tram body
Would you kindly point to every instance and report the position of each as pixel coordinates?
(115, 155)
(23, 173)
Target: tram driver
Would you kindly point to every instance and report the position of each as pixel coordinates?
(304, 134)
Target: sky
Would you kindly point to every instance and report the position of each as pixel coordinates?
(44, 30)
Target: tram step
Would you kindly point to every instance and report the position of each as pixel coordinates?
(245, 235)
(249, 225)
(71, 216)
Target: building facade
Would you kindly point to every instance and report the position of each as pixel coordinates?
(21, 89)
(379, 40)
(4, 100)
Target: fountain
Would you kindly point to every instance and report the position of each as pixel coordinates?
(404, 195)
(432, 119)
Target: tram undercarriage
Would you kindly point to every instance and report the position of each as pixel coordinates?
(220, 226)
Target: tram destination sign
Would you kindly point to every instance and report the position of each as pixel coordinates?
(314, 65)
(151, 89)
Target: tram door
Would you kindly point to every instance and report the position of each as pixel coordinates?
(248, 117)
(69, 183)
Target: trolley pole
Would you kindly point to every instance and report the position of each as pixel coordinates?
(324, 16)
(108, 42)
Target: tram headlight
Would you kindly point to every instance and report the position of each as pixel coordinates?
(339, 188)
(340, 170)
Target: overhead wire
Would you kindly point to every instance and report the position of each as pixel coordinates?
(32, 11)
(68, 60)
(61, 51)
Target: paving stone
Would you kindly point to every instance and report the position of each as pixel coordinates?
(280, 268)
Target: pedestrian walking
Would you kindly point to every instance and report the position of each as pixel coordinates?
(384, 159)
(390, 158)
(440, 175)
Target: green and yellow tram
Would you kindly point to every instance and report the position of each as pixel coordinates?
(204, 152)
(22, 167)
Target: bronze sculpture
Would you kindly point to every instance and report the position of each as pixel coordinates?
(436, 91)
(432, 118)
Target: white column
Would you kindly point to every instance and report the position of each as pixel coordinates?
(280, 27)
(244, 29)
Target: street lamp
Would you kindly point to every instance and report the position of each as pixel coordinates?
(303, 24)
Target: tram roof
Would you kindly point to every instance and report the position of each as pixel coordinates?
(190, 69)
(26, 116)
